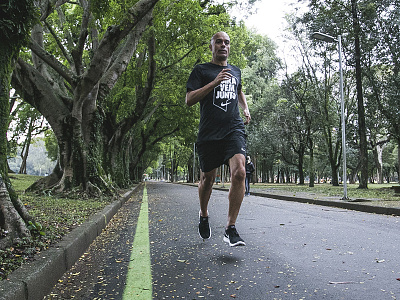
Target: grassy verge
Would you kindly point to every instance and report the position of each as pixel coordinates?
(374, 191)
(54, 217)
(376, 194)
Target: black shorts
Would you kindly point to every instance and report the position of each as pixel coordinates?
(213, 154)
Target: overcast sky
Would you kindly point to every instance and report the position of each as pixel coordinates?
(270, 17)
(270, 21)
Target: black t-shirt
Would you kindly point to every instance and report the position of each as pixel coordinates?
(219, 110)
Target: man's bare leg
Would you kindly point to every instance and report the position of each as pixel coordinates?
(236, 193)
(205, 188)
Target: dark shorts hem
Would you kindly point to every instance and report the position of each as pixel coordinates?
(213, 154)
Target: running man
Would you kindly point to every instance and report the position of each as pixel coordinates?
(221, 139)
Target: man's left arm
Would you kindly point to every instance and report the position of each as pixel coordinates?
(243, 105)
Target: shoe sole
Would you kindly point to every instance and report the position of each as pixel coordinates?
(239, 243)
(199, 230)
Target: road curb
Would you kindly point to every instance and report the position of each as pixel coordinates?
(34, 280)
(339, 204)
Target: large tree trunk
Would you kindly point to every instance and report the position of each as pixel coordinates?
(300, 167)
(360, 100)
(333, 153)
(10, 220)
(311, 168)
(72, 110)
(398, 160)
(12, 212)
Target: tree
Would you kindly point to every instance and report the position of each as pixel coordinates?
(383, 65)
(67, 84)
(18, 16)
(27, 123)
(262, 92)
(360, 99)
(336, 18)
(299, 89)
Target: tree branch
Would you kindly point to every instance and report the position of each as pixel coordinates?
(59, 44)
(178, 61)
(36, 91)
(121, 62)
(52, 62)
(77, 52)
(112, 38)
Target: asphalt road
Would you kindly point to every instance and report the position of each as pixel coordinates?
(293, 251)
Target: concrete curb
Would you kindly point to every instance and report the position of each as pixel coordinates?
(339, 204)
(33, 281)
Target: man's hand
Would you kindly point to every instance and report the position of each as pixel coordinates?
(222, 76)
(243, 105)
(247, 116)
(193, 97)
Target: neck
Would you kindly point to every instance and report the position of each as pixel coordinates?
(219, 62)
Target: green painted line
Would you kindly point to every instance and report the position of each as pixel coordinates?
(139, 281)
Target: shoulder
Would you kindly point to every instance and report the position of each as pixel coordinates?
(201, 69)
(203, 66)
(232, 67)
(236, 71)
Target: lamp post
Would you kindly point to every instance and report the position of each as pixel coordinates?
(330, 39)
(194, 159)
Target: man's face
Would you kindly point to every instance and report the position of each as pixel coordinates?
(220, 46)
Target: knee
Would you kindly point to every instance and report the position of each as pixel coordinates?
(239, 174)
(207, 179)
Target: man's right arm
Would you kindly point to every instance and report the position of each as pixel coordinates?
(192, 97)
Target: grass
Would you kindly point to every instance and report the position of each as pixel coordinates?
(54, 217)
(376, 194)
(374, 191)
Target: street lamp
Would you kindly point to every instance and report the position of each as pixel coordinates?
(330, 39)
(194, 159)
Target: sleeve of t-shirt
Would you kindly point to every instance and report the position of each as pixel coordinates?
(194, 82)
(240, 80)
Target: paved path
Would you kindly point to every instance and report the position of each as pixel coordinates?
(294, 251)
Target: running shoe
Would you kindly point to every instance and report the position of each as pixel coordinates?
(232, 237)
(204, 227)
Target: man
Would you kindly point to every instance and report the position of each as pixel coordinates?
(221, 138)
(249, 172)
